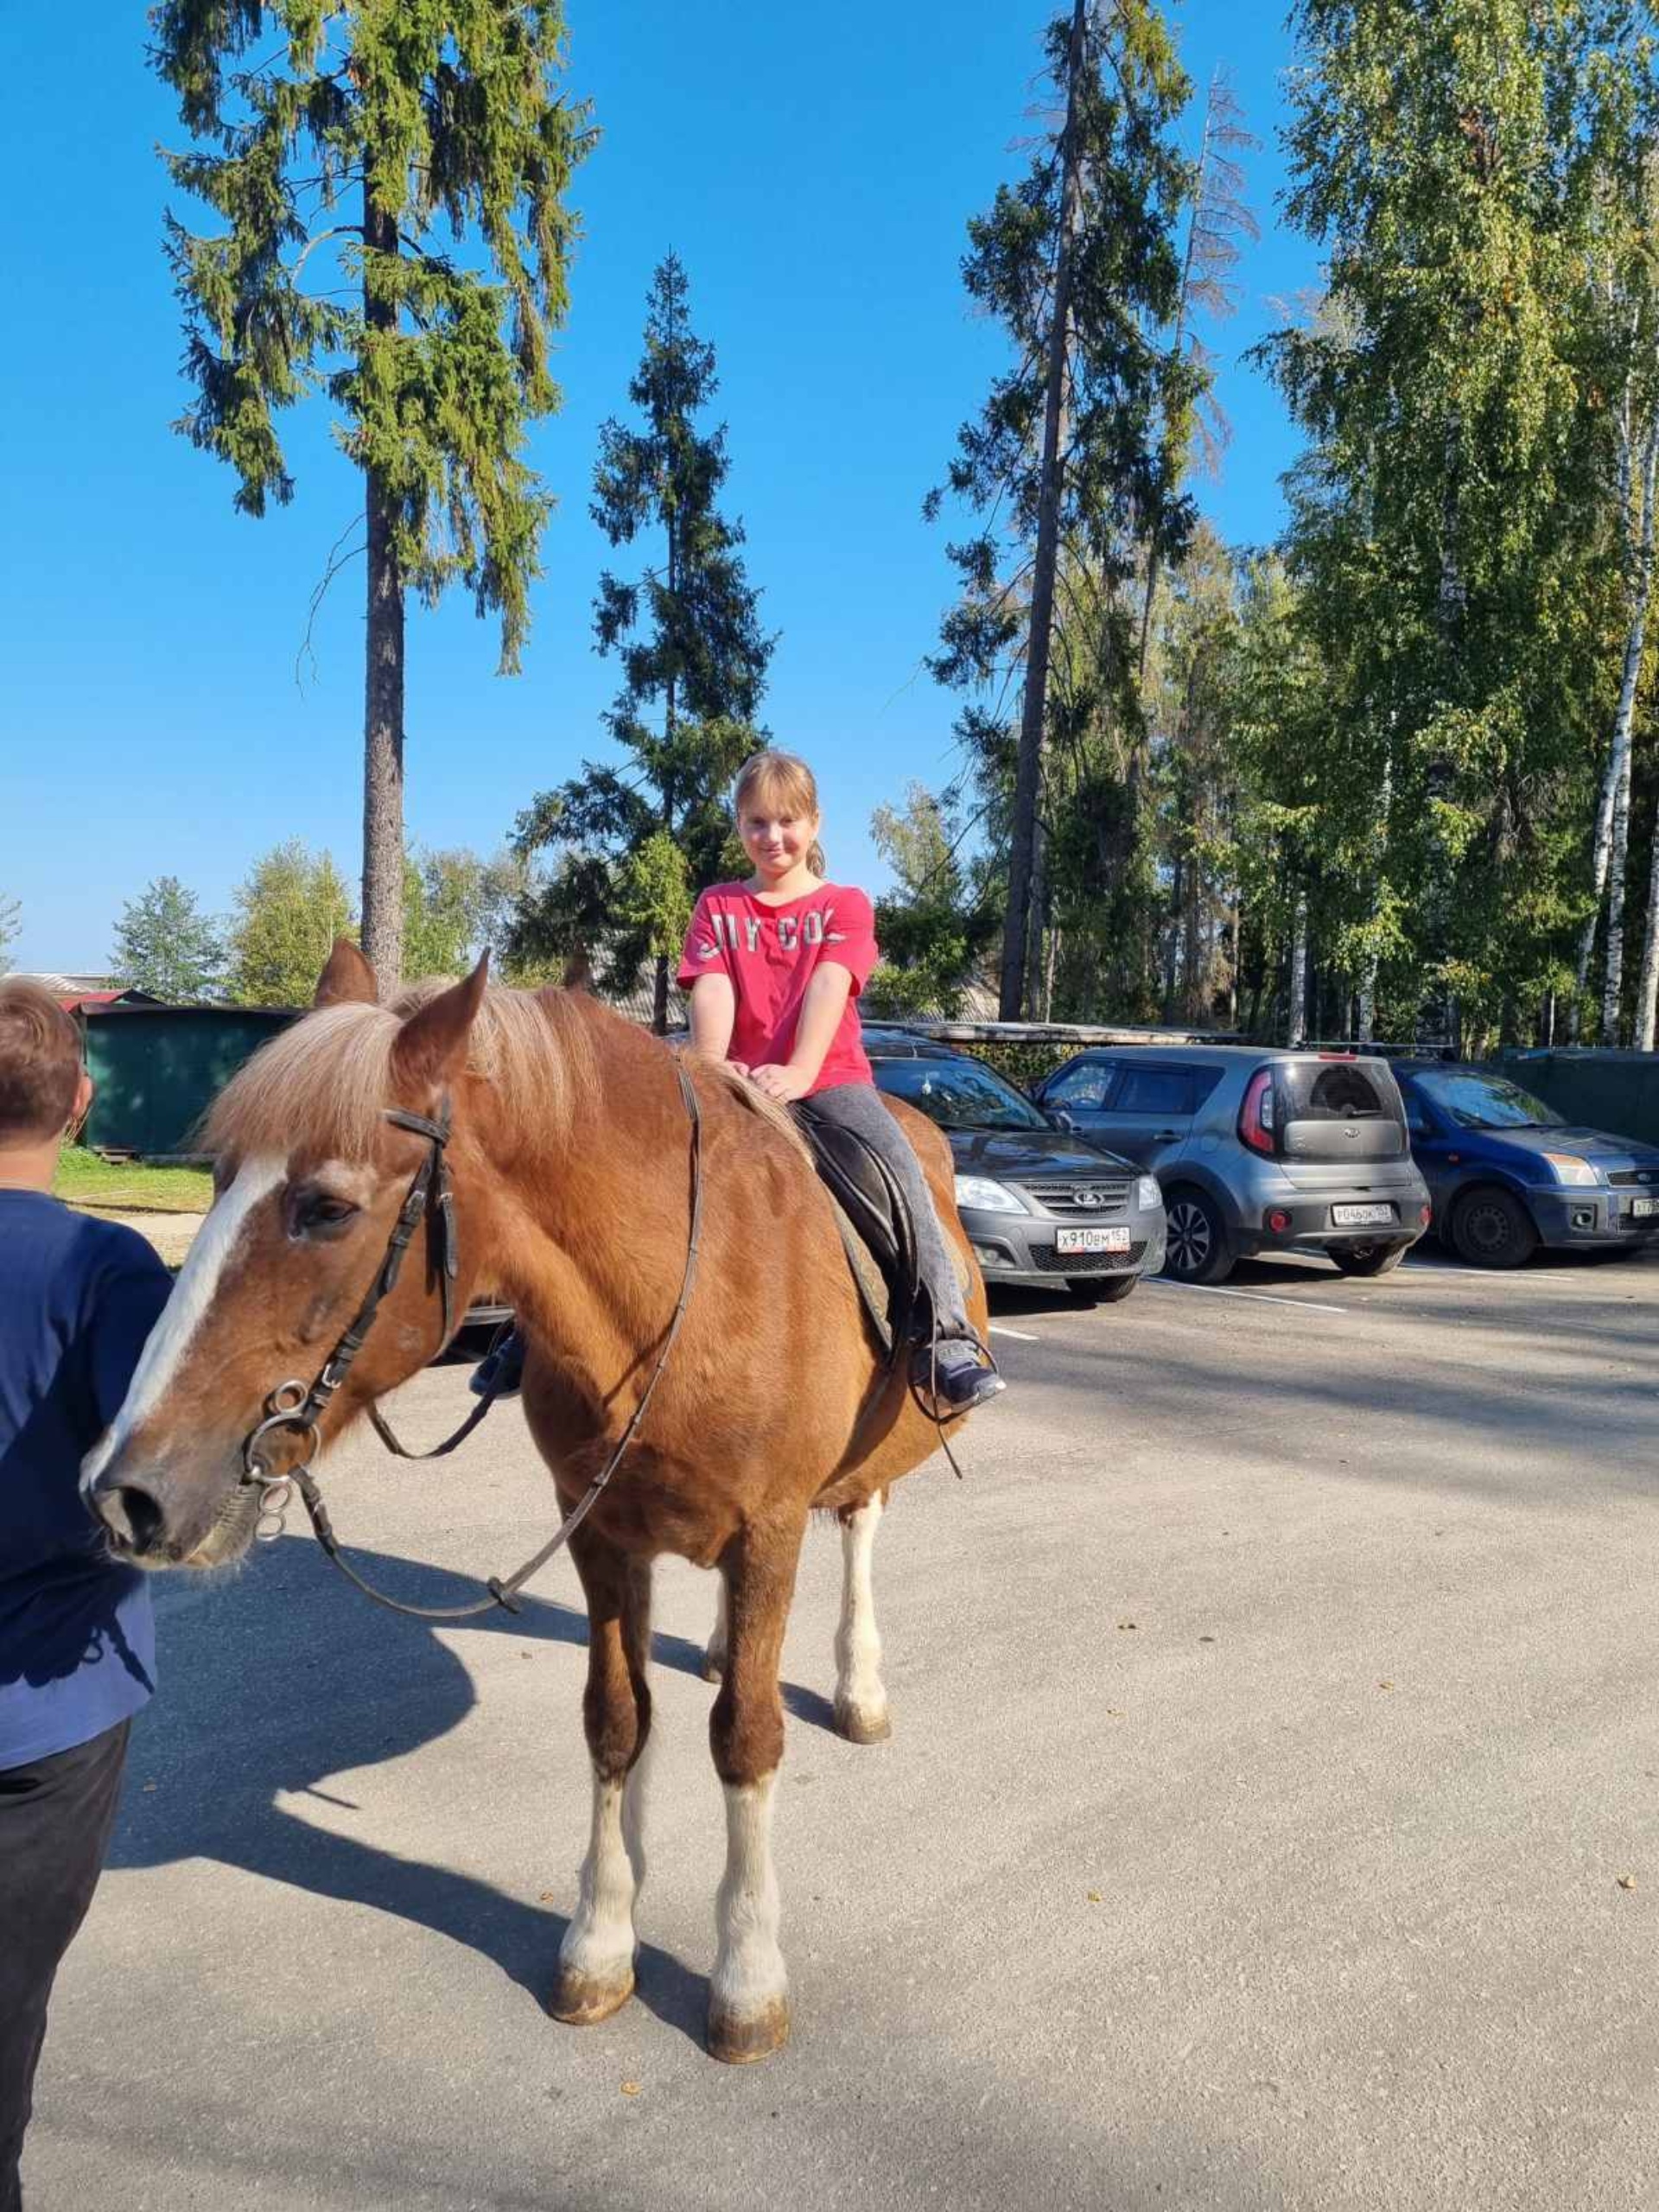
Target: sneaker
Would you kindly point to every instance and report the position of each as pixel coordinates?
(958, 1374)
(500, 1373)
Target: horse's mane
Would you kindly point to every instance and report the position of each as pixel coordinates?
(325, 1081)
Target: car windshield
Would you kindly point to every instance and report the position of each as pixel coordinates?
(1487, 1102)
(957, 1094)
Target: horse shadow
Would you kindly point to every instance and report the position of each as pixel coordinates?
(251, 1711)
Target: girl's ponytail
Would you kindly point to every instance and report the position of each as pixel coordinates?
(816, 861)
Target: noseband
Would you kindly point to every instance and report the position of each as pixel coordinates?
(292, 1406)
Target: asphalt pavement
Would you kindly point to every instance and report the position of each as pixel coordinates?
(1269, 1819)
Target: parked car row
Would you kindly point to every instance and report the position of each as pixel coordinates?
(1193, 1156)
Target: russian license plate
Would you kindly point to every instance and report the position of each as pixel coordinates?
(1091, 1240)
(1639, 1206)
(1360, 1217)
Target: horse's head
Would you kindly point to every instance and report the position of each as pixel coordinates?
(310, 1177)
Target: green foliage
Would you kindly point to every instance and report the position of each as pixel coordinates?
(289, 910)
(1021, 1065)
(694, 663)
(939, 923)
(165, 946)
(1133, 386)
(438, 125)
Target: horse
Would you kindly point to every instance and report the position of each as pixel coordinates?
(575, 1175)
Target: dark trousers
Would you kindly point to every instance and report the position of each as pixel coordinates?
(55, 1818)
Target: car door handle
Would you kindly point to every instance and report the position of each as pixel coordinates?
(1165, 1136)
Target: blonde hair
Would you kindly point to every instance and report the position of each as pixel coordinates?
(786, 777)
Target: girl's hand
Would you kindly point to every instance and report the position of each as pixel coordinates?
(739, 1067)
(785, 1085)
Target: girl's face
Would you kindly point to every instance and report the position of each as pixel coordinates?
(776, 841)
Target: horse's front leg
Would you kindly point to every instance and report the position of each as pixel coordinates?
(748, 1992)
(860, 1697)
(596, 1957)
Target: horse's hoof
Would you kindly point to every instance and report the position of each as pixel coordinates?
(740, 2040)
(713, 1666)
(583, 2000)
(862, 1724)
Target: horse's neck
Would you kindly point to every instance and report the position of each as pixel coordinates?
(584, 1228)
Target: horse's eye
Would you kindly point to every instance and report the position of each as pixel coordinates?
(314, 1213)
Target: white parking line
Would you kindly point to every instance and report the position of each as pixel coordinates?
(1020, 1336)
(1257, 1297)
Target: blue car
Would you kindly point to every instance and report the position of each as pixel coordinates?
(1507, 1173)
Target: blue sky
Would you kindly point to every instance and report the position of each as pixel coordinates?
(815, 174)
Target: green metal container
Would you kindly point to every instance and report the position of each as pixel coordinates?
(1615, 1091)
(158, 1069)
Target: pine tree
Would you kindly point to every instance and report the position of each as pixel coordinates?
(289, 910)
(357, 133)
(1068, 458)
(641, 841)
(165, 945)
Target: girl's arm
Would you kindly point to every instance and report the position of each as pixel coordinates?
(714, 1014)
(821, 1012)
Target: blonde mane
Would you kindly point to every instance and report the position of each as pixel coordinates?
(327, 1080)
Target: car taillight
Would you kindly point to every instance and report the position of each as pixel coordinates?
(1425, 1214)
(1255, 1115)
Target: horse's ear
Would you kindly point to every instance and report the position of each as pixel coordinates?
(347, 979)
(430, 1050)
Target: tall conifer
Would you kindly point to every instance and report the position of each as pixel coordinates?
(357, 132)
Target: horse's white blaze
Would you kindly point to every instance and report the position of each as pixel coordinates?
(859, 1688)
(749, 1975)
(599, 1942)
(198, 1282)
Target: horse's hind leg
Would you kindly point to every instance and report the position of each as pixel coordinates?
(748, 1992)
(596, 1957)
(861, 1698)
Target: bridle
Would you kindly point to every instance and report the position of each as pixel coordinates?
(292, 1406)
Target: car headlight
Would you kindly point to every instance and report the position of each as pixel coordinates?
(1147, 1195)
(979, 1191)
(1569, 1169)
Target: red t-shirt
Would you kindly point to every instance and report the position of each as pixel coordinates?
(771, 953)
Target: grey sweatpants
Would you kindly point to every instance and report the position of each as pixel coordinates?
(860, 1107)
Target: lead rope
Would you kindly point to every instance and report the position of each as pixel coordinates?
(504, 1591)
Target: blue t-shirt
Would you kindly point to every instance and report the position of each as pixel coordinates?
(78, 1298)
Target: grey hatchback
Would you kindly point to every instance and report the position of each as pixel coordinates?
(1256, 1151)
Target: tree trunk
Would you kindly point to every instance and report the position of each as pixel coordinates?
(383, 687)
(1623, 719)
(1017, 959)
(1172, 947)
(1647, 996)
(1296, 1020)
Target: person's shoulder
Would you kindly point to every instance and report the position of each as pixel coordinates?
(721, 891)
(851, 904)
(110, 1249)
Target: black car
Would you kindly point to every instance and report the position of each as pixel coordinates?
(1038, 1202)
(1508, 1173)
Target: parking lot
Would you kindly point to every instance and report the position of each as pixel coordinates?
(1269, 1820)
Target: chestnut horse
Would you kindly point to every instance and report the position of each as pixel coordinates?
(570, 1155)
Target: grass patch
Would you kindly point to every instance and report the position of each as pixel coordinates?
(84, 1179)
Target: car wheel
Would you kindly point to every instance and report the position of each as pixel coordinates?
(1370, 1259)
(1100, 1290)
(1493, 1229)
(1197, 1251)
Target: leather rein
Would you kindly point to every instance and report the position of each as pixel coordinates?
(292, 1406)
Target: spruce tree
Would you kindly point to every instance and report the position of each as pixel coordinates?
(1068, 459)
(335, 144)
(165, 945)
(640, 840)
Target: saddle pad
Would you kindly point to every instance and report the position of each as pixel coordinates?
(872, 1284)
